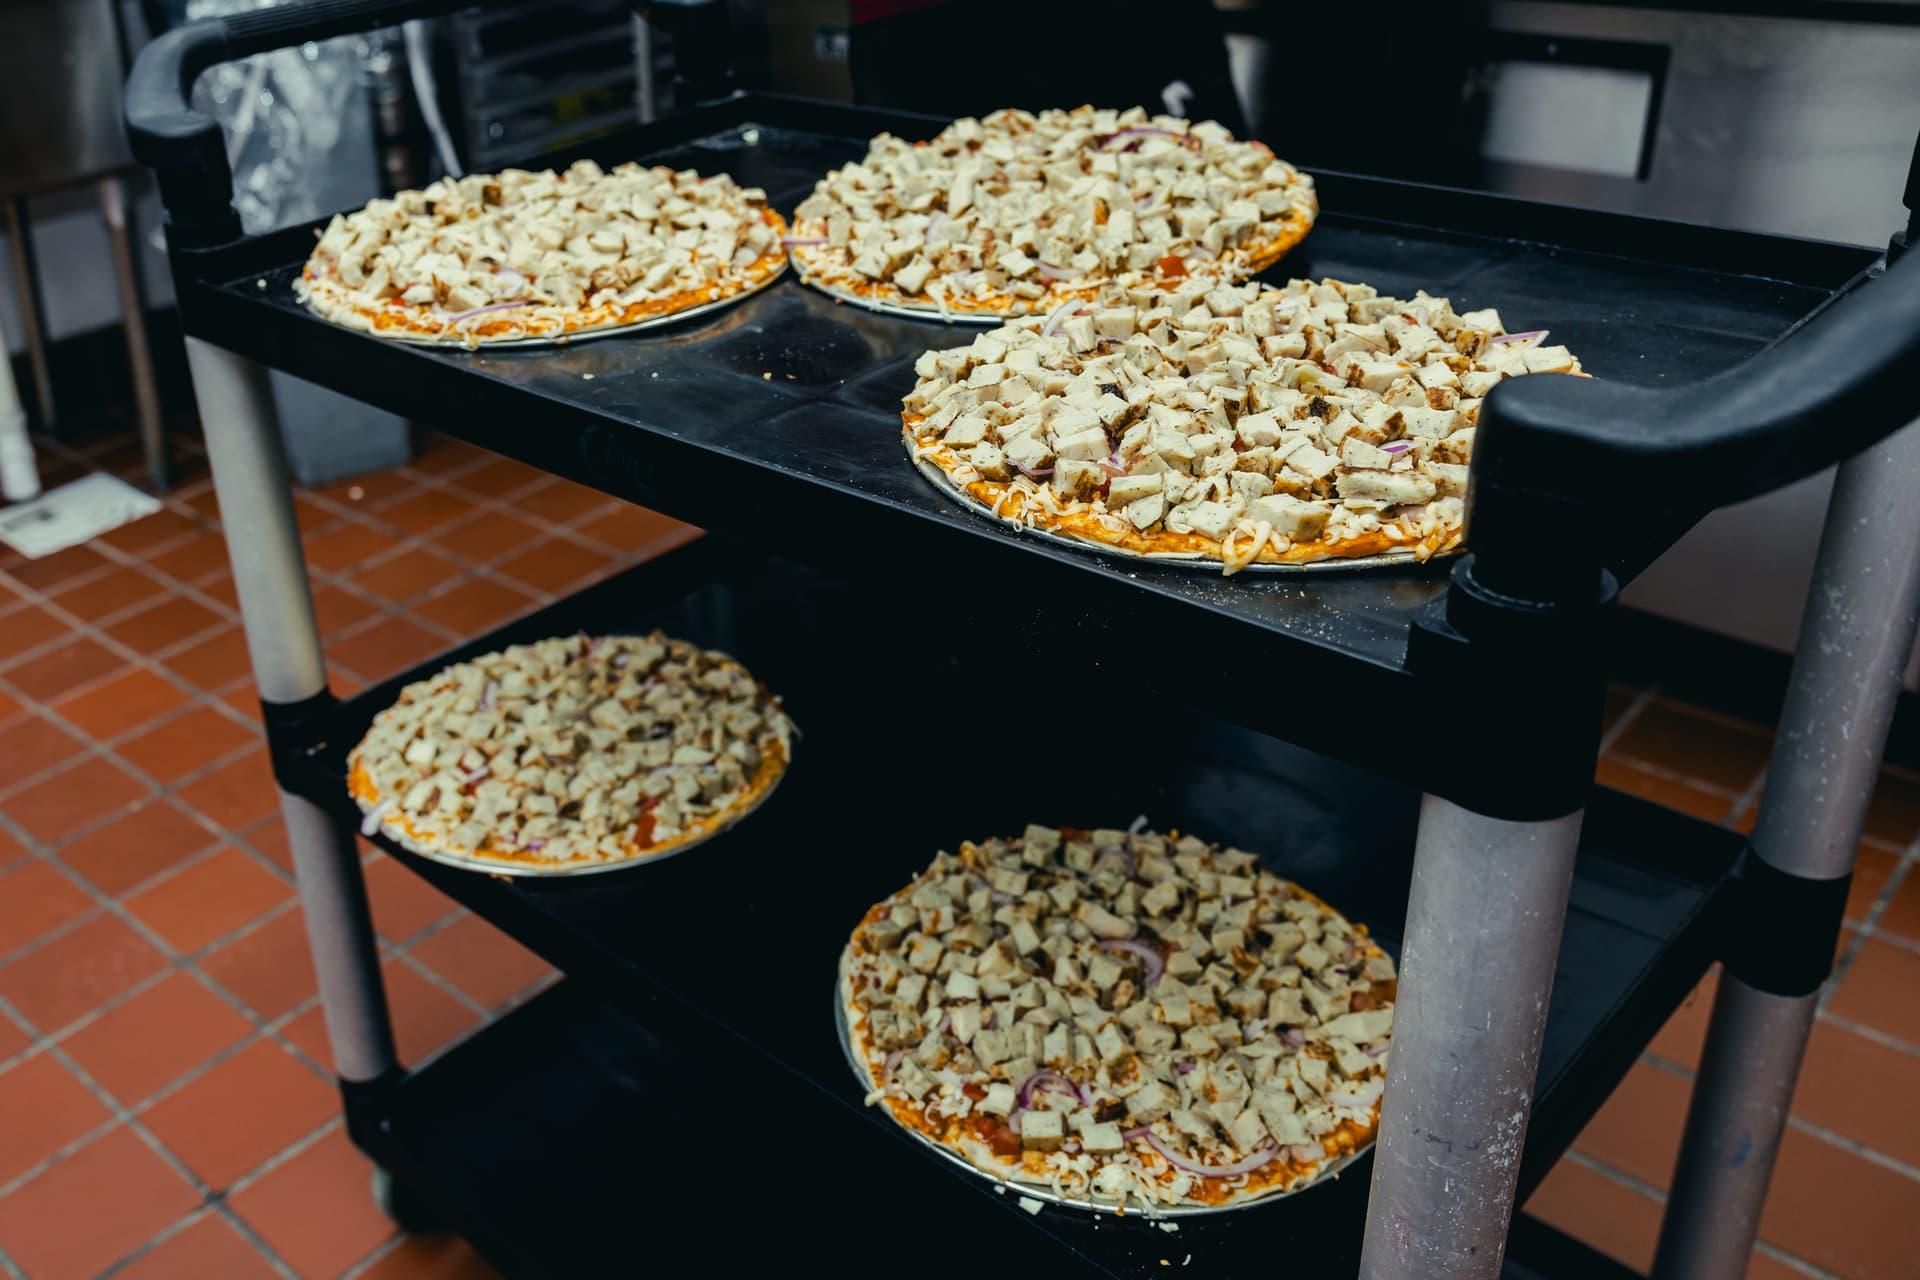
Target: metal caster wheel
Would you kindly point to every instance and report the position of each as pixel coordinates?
(410, 1210)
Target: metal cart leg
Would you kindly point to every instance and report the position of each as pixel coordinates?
(1483, 933)
(1855, 638)
(263, 542)
(133, 312)
(26, 285)
(19, 477)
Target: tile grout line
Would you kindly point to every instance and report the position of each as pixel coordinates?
(1659, 1197)
(1635, 706)
(1843, 964)
(1793, 1262)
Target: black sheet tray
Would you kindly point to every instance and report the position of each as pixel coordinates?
(779, 416)
(724, 960)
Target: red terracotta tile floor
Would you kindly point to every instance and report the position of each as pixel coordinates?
(161, 1046)
(167, 1107)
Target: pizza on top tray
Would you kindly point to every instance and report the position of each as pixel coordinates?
(496, 257)
(1012, 214)
(571, 752)
(1241, 424)
(1122, 1016)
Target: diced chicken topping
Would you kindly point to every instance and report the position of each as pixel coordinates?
(1239, 422)
(1114, 1013)
(1017, 211)
(571, 751)
(518, 253)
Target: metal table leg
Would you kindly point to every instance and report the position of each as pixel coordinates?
(1483, 934)
(19, 478)
(26, 284)
(1855, 637)
(263, 542)
(133, 313)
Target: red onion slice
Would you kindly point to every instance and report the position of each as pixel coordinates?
(1061, 312)
(1374, 1050)
(1398, 446)
(1185, 1067)
(465, 316)
(1306, 1153)
(371, 823)
(485, 702)
(1145, 1130)
(1234, 1170)
(1137, 131)
(1060, 273)
(1293, 1037)
(1148, 956)
(1046, 1080)
(1137, 826)
(1360, 1095)
(893, 1060)
(1034, 473)
(791, 241)
(1531, 335)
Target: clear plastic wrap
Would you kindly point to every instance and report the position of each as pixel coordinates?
(298, 125)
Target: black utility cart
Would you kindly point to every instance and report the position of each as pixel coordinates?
(1417, 745)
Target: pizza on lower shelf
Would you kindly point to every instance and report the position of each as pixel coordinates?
(571, 753)
(1017, 212)
(1235, 424)
(1123, 1017)
(515, 255)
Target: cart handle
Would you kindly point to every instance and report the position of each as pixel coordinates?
(1552, 453)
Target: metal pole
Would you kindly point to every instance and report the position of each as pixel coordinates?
(1855, 639)
(133, 315)
(26, 284)
(1488, 901)
(19, 478)
(270, 574)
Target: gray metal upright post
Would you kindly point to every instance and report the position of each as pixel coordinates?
(1483, 935)
(270, 574)
(126, 272)
(1855, 639)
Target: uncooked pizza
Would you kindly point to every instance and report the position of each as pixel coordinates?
(1018, 212)
(570, 753)
(1122, 1017)
(518, 255)
(1235, 425)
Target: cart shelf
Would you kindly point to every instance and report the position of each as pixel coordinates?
(781, 414)
(721, 962)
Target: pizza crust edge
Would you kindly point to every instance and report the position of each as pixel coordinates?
(331, 302)
(844, 284)
(1001, 500)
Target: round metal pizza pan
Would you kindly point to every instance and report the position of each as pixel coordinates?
(1046, 1194)
(469, 862)
(1383, 560)
(584, 335)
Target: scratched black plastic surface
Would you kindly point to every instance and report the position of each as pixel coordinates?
(785, 406)
(741, 936)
